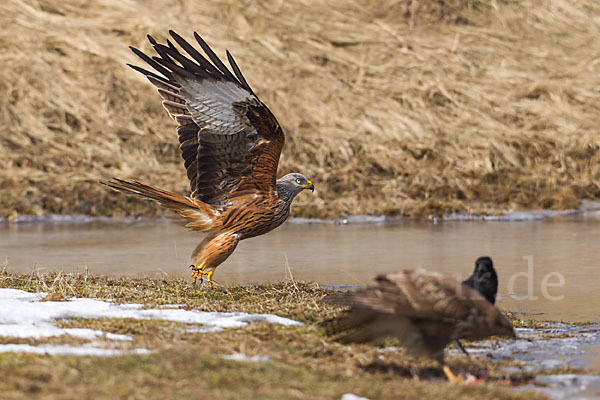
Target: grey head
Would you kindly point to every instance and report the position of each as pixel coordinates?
(290, 185)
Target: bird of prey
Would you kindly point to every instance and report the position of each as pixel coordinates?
(484, 280)
(424, 310)
(230, 144)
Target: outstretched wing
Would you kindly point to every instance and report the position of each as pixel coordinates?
(415, 294)
(229, 140)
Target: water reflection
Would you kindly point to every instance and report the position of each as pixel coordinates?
(330, 254)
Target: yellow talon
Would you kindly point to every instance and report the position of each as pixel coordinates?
(455, 379)
(197, 272)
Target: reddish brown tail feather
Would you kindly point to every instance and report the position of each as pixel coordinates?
(199, 216)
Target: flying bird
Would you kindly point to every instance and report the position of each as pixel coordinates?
(424, 310)
(230, 144)
(484, 280)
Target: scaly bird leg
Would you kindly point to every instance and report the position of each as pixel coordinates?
(450, 375)
(209, 275)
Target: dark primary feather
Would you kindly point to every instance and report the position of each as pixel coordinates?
(237, 72)
(149, 74)
(195, 54)
(213, 57)
(165, 72)
(229, 140)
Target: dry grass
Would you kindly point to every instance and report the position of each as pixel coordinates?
(299, 300)
(305, 364)
(190, 371)
(390, 107)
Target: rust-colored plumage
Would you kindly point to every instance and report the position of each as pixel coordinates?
(230, 143)
(424, 310)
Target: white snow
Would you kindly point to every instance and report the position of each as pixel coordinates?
(350, 396)
(203, 329)
(22, 315)
(243, 357)
(566, 386)
(55, 349)
(43, 330)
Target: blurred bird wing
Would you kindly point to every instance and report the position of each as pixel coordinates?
(367, 326)
(229, 140)
(415, 294)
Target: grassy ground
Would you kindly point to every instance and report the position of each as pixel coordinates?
(304, 364)
(398, 107)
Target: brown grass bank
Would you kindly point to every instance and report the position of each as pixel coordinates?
(390, 107)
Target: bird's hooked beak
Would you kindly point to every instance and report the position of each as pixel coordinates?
(309, 185)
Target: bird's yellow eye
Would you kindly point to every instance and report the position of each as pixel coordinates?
(298, 181)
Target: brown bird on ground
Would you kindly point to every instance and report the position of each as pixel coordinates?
(424, 310)
(230, 143)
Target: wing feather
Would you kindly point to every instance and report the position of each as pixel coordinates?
(195, 54)
(238, 73)
(150, 75)
(159, 50)
(152, 62)
(230, 141)
(415, 294)
(213, 57)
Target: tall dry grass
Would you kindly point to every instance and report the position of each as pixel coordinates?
(402, 107)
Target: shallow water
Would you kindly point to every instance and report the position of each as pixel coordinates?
(350, 254)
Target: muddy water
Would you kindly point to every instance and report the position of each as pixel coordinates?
(528, 253)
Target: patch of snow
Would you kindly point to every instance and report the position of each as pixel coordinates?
(541, 353)
(53, 350)
(203, 329)
(388, 349)
(566, 386)
(544, 353)
(537, 351)
(44, 330)
(245, 358)
(24, 316)
(350, 396)
(24, 310)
